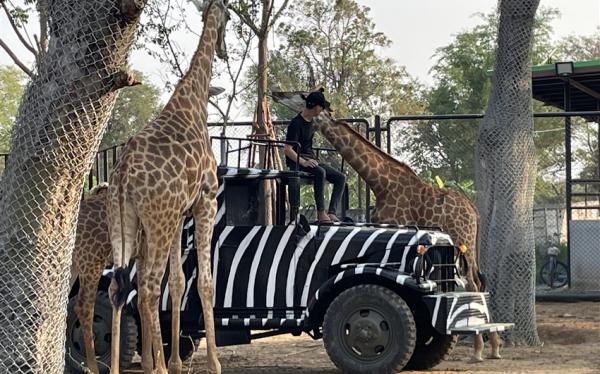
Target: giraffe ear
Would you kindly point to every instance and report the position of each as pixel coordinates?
(200, 5)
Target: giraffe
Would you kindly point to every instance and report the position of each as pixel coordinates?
(164, 171)
(402, 197)
(91, 255)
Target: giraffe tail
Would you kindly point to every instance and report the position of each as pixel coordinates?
(123, 247)
(124, 286)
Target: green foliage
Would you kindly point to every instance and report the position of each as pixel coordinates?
(334, 44)
(135, 107)
(12, 85)
(462, 71)
(465, 187)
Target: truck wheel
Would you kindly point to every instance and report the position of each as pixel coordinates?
(75, 349)
(369, 329)
(431, 349)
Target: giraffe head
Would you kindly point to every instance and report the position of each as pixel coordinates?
(204, 6)
(296, 101)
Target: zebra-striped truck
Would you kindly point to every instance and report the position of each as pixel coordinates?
(383, 297)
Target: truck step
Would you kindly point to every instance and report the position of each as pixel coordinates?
(480, 329)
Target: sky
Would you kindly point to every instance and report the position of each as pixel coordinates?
(415, 27)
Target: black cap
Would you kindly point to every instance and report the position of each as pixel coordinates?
(316, 98)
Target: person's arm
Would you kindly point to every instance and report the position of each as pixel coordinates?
(292, 155)
(293, 135)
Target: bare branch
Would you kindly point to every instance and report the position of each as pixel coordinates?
(170, 44)
(16, 30)
(16, 59)
(266, 15)
(42, 6)
(122, 79)
(223, 115)
(278, 13)
(245, 18)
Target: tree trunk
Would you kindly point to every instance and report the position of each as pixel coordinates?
(506, 173)
(263, 127)
(58, 128)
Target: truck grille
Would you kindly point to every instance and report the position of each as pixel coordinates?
(440, 266)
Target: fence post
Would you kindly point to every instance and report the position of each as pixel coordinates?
(378, 130)
(568, 176)
(367, 190)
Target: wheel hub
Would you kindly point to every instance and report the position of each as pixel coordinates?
(366, 333)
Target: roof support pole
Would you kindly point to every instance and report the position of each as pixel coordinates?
(568, 176)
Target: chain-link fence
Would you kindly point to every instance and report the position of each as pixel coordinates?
(57, 130)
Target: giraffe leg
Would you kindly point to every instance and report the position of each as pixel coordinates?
(176, 288)
(116, 330)
(204, 212)
(145, 316)
(477, 349)
(157, 345)
(495, 343)
(474, 285)
(84, 308)
(159, 241)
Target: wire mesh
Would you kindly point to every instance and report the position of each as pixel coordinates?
(59, 125)
(506, 175)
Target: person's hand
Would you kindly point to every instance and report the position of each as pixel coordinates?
(308, 163)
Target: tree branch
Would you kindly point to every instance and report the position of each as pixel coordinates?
(43, 14)
(246, 20)
(266, 14)
(278, 13)
(16, 60)
(16, 30)
(169, 43)
(223, 115)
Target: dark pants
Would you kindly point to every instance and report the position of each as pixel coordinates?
(321, 173)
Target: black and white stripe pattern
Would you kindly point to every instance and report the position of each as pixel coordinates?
(271, 276)
(460, 311)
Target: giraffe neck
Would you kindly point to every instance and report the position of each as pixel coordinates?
(371, 163)
(191, 91)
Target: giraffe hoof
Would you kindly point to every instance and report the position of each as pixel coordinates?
(494, 356)
(475, 360)
(215, 370)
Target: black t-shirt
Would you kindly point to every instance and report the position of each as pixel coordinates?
(301, 131)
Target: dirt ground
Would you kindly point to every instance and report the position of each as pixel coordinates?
(570, 332)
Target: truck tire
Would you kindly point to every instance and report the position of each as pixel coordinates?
(369, 329)
(431, 347)
(75, 350)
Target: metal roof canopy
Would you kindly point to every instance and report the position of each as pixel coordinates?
(549, 87)
(575, 89)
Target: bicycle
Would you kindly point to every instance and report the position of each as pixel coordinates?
(554, 273)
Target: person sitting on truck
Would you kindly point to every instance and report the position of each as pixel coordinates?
(301, 130)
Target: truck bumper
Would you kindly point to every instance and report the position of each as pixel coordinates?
(462, 313)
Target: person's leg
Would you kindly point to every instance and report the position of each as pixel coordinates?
(338, 180)
(319, 188)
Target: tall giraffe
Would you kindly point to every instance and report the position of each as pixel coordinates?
(402, 197)
(164, 171)
(91, 255)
